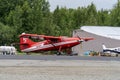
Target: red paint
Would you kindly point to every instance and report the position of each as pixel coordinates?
(49, 43)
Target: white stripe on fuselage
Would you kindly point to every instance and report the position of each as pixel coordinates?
(38, 47)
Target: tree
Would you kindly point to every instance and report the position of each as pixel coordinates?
(14, 18)
(29, 17)
(6, 34)
(80, 17)
(103, 18)
(91, 15)
(6, 6)
(115, 15)
(34, 16)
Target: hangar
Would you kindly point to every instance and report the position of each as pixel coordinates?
(110, 36)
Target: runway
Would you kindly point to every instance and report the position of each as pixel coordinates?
(29, 67)
(49, 57)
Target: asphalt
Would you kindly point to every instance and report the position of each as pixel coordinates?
(49, 57)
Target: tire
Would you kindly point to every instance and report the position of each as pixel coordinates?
(3, 53)
(116, 55)
(58, 53)
(28, 54)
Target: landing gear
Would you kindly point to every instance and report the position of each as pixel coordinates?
(28, 53)
(58, 53)
(67, 52)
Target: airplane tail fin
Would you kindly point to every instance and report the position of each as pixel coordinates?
(104, 47)
(25, 42)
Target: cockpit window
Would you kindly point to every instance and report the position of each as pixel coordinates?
(36, 39)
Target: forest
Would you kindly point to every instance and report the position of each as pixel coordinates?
(34, 16)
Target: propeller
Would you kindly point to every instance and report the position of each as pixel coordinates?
(80, 40)
(84, 39)
(87, 39)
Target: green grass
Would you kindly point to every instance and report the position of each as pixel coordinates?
(22, 53)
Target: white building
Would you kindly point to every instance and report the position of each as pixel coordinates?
(110, 36)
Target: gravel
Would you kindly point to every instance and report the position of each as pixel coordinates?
(59, 70)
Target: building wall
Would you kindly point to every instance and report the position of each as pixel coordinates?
(96, 44)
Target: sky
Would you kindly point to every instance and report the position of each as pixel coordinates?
(100, 4)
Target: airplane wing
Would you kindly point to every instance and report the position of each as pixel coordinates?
(36, 36)
(52, 38)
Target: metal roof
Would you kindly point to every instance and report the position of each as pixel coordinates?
(105, 31)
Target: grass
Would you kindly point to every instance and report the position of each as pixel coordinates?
(22, 53)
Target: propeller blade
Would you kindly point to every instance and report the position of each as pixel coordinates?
(81, 39)
(87, 39)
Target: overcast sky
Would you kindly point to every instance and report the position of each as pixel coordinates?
(105, 4)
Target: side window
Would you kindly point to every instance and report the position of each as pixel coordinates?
(115, 49)
(54, 40)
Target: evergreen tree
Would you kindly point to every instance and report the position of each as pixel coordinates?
(115, 15)
(6, 6)
(91, 15)
(6, 34)
(34, 16)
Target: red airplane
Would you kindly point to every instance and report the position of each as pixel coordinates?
(48, 43)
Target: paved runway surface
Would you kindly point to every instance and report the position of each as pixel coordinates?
(48, 57)
(29, 67)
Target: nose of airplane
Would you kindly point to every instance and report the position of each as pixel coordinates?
(87, 39)
(81, 40)
(84, 39)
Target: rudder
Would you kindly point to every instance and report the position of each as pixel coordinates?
(25, 43)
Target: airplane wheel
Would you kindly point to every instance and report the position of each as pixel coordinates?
(116, 55)
(28, 53)
(3, 53)
(58, 53)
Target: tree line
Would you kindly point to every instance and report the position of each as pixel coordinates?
(34, 16)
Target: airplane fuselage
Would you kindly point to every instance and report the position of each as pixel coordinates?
(115, 50)
(48, 43)
(44, 46)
